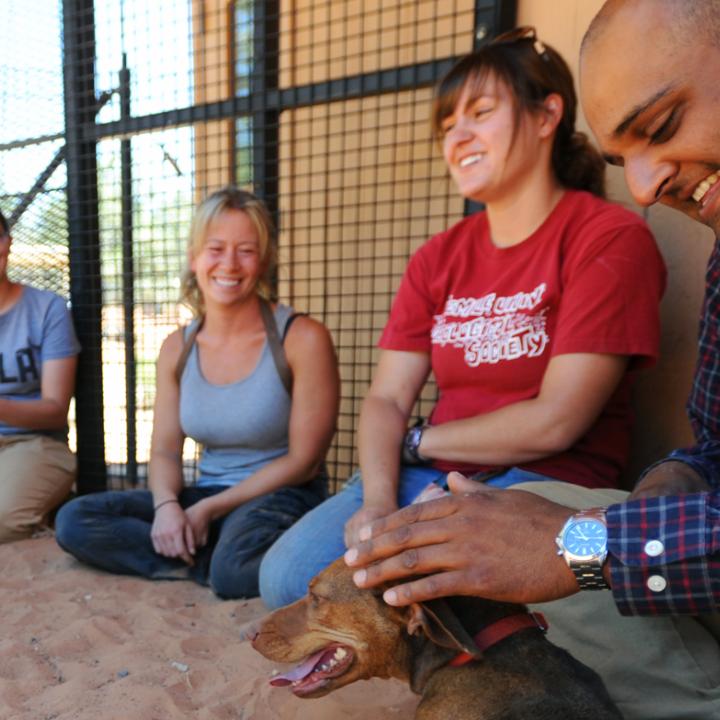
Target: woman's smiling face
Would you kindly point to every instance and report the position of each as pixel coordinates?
(228, 265)
(487, 147)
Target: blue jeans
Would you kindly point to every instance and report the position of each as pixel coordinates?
(111, 530)
(317, 540)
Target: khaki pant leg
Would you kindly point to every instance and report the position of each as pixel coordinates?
(655, 668)
(36, 475)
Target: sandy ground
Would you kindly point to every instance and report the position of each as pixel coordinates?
(79, 644)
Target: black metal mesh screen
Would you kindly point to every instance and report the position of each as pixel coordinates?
(119, 115)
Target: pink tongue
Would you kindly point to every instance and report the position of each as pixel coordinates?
(299, 672)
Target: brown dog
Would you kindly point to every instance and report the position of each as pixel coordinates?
(339, 634)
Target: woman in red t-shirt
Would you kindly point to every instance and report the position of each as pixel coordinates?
(530, 314)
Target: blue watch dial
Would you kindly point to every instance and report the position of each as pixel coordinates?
(586, 538)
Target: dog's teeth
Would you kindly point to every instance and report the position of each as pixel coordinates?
(340, 653)
(275, 672)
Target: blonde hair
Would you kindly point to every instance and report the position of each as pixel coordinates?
(222, 200)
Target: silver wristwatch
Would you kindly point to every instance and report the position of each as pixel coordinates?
(411, 444)
(583, 543)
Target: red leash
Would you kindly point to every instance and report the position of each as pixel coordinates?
(493, 634)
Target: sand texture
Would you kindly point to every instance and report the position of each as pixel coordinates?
(80, 644)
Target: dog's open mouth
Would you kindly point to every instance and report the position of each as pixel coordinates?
(316, 671)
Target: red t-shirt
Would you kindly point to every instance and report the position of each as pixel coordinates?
(589, 280)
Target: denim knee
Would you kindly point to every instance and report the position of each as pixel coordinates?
(68, 525)
(295, 558)
(233, 577)
(279, 581)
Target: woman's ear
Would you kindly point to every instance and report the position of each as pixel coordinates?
(553, 111)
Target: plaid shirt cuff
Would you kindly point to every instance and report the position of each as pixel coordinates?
(665, 554)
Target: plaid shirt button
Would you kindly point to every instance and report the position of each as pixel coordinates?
(653, 548)
(657, 583)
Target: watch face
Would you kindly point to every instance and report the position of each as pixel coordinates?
(586, 538)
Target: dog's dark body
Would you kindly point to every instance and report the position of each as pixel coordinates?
(349, 634)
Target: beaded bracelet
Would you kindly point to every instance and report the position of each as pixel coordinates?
(165, 502)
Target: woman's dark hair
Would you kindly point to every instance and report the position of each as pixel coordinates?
(531, 70)
(4, 227)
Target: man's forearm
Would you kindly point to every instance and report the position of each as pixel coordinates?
(703, 458)
(669, 477)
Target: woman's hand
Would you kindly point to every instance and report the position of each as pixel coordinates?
(364, 516)
(172, 534)
(199, 516)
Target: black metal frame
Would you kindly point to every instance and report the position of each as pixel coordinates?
(83, 226)
(264, 104)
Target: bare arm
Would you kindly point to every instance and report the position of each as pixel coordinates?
(574, 390)
(165, 470)
(396, 384)
(171, 532)
(49, 412)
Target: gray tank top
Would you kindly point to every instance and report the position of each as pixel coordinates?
(242, 425)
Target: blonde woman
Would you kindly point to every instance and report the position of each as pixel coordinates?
(252, 382)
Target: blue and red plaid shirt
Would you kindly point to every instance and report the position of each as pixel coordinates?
(679, 570)
(665, 554)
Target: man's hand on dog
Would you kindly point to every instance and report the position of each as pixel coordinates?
(497, 544)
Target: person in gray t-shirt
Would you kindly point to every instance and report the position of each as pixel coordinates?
(38, 358)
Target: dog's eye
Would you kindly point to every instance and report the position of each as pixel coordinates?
(315, 599)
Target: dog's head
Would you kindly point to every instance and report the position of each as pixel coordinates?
(339, 633)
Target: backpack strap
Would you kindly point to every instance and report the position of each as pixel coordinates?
(187, 347)
(276, 345)
(273, 338)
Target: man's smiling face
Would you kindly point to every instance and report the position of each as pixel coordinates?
(652, 99)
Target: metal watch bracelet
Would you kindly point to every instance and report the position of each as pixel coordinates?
(410, 447)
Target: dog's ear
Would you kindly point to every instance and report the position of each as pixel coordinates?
(440, 624)
(437, 636)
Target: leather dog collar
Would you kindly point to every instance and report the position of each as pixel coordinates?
(493, 634)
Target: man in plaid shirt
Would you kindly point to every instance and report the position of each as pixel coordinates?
(649, 81)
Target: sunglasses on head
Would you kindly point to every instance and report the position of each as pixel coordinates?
(524, 32)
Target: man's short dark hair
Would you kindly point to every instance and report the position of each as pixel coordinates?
(4, 227)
